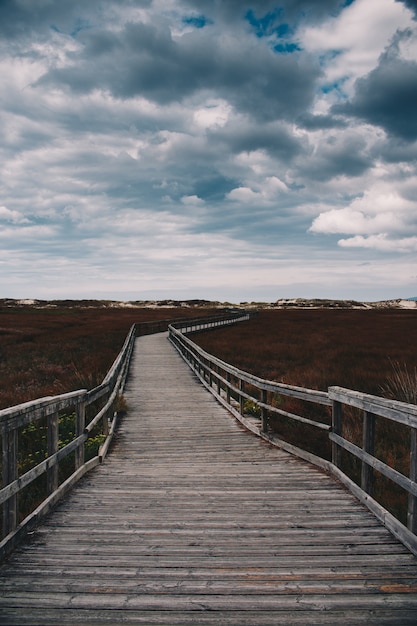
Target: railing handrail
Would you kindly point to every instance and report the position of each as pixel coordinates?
(217, 376)
(394, 410)
(27, 412)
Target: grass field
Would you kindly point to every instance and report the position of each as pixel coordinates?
(320, 348)
(47, 351)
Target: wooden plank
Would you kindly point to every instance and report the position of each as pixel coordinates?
(99, 617)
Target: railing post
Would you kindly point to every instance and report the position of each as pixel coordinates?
(264, 411)
(79, 426)
(10, 474)
(228, 377)
(241, 398)
(52, 441)
(105, 422)
(368, 445)
(412, 499)
(337, 430)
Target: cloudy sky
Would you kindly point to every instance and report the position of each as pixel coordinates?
(220, 149)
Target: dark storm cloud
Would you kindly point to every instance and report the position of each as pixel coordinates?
(320, 122)
(287, 9)
(35, 18)
(387, 96)
(144, 59)
(396, 150)
(339, 156)
(245, 136)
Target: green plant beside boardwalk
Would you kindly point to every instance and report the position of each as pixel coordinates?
(33, 450)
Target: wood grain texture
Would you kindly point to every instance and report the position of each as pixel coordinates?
(193, 520)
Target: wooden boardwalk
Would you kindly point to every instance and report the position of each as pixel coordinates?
(192, 520)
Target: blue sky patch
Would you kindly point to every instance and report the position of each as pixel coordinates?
(198, 21)
(266, 26)
(269, 26)
(286, 48)
(336, 86)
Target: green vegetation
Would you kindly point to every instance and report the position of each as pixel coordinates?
(33, 450)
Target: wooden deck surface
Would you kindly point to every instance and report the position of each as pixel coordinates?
(192, 520)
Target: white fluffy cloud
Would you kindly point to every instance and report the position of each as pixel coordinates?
(379, 220)
(381, 242)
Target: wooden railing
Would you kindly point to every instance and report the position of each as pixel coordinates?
(92, 412)
(235, 388)
(14, 420)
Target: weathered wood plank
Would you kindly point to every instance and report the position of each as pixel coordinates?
(191, 520)
(99, 617)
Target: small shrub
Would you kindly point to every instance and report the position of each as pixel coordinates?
(250, 408)
(401, 384)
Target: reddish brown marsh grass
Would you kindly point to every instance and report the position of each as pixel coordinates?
(319, 348)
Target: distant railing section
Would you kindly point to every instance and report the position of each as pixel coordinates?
(235, 388)
(94, 411)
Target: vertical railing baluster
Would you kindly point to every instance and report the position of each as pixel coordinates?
(412, 499)
(368, 445)
(79, 429)
(264, 411)
(9, 444)
(241, 397)
(337, 430)
(52, 442)
(105, 420)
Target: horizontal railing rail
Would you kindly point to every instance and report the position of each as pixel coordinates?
(235, 388)
(46, 413)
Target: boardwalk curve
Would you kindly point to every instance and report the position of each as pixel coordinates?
(191, 520)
